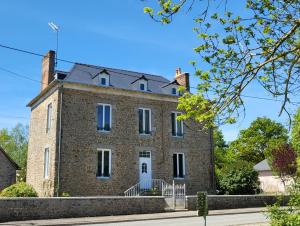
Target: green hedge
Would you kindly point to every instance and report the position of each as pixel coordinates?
(19, 190)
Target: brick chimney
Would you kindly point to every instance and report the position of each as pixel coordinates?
(48, 65)
(183, 78)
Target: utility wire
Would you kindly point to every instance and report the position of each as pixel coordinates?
(97, 67)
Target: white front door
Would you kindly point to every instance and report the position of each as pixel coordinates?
(145, 170)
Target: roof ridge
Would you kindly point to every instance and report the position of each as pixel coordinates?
(96, 66)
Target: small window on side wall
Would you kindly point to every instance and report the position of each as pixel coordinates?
(46, 163)
(174, 91)
(49, 117)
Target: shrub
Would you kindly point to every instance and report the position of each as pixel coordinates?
(19, 190)
(239, 180)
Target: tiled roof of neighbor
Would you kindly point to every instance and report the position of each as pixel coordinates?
(9, 158)
(83, 73)
(262, 166)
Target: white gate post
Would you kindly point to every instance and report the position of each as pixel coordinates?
(184, 195)
(174, 195)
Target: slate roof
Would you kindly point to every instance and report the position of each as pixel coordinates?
(262, 166)
(9, 158)
(84, 73)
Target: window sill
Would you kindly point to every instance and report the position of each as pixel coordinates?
(145, 134)
(179, 178)
(176, 136)
(103, 178)
(104, 131)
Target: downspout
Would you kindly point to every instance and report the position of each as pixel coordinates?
(59, 140)
(213, 180)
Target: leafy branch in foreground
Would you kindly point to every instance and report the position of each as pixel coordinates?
(262, 48)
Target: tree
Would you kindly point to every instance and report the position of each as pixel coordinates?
(284, 162)
(219, 148)
(262, 47)
(295, 135)
(15, 143)
(239, 179)
(253, 142)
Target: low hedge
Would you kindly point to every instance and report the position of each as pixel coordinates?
(19, 190)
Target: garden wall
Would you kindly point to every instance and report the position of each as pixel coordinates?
(216, 202)
(13, 209)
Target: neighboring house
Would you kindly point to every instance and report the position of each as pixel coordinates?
(8, 170)
(99, 131)
(269, 183)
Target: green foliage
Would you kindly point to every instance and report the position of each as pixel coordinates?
(238, 51)
(239, 179)
(286, 216)
(15, 143)
(65, 194)
(202, 205)
(19, 190)
(295, 140)
(254, 143)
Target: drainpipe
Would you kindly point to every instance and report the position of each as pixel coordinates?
(59, 139)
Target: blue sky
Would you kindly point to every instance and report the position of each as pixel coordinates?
(111, 33)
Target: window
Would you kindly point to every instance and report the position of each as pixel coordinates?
(174, 91)
(103, 81)
(178, 165)
(143, 85)
(104, 117)
(46, 163)
(103, 163)
(144, 121)
(177, 126)
(145, 154)
(49, 117)
(144, 168)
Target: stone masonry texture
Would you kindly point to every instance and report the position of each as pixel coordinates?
(219, 202)
(7, 172)
(15, 209)
(80, 141)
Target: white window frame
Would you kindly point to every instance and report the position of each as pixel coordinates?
(109, 168)
(46, 163)
(103, 117)
(176, 125)
(145, 85)
(49, 117)
(183, 165)
(144, 121)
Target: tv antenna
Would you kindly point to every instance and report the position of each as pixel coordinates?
(55, 28)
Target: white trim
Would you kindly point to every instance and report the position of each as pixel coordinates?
(103, 117)
(102, 164)
(183, 165)
(46, 176)
(144, 120)
(49, 117)
(176, 126)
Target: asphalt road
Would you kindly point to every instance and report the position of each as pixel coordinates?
(218, 220)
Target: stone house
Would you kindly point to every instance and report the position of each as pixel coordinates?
(270, 183)
(98, 131)
(8, 170)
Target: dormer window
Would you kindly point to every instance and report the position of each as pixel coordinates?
(174, 91)
(103, 82)
(141, 84)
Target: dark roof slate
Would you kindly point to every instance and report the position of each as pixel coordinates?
(9, 158)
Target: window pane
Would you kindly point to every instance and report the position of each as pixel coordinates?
(147, 121)
(46, 163)
(174, 91)
(175, 165)
(180, 165)
(99, 166)
(141, 129)
(49, 115)
(103, 81)
(100, 117)
(142, 86)
(106, 164)
(107, 118)
(179, 126)
(173, 121)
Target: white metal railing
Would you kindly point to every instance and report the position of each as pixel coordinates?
(174, 190)
(154, 186)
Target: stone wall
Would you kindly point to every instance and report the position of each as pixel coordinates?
(80, 141)
(7, 172)
(216, 202)
(13, 209)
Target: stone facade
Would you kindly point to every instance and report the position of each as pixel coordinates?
(76, 164)
(7, 170)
